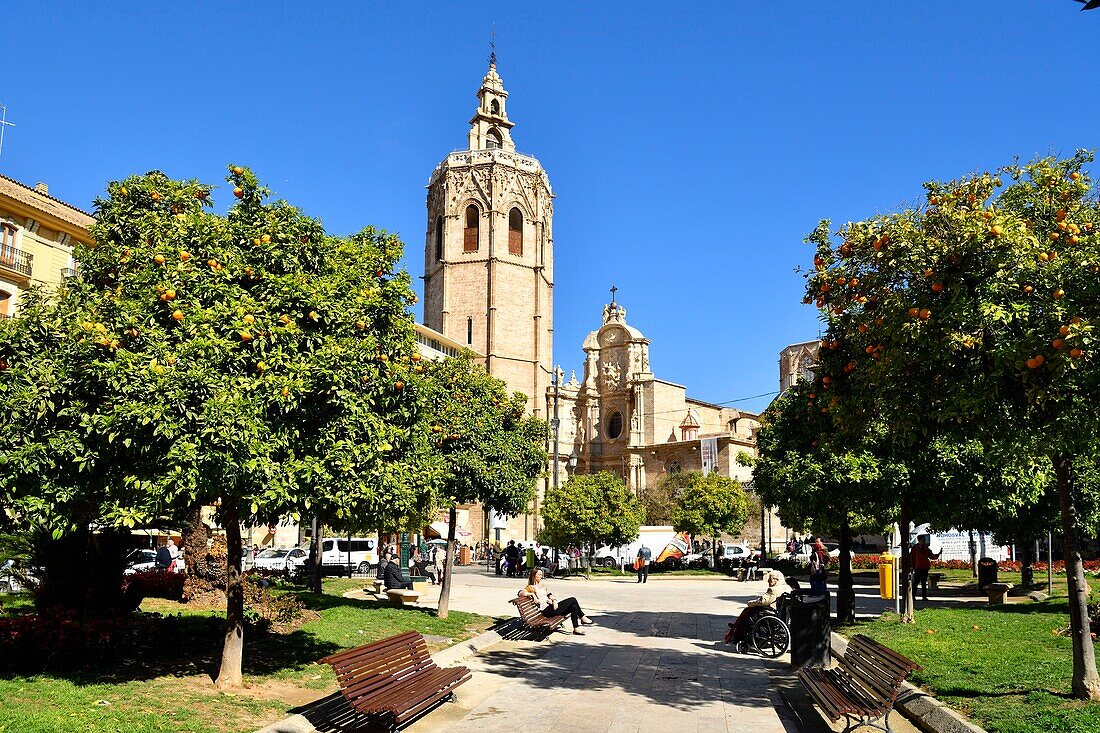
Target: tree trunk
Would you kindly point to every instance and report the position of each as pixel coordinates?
(194, 540)
(1027, 571)
(233, 648)
(1086, 682)
(445, 590)
(845, 591)
(316, 581)
(905, 583)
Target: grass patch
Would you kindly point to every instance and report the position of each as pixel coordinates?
(173, 693)
(1001, 665)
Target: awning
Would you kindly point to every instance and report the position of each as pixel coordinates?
(439, 529)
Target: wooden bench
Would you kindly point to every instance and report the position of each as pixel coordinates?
(402, 596)
(394, 682)
(863, 688)
(532, 617)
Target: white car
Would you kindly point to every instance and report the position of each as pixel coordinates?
(141, 560)
(284, 560)
(802, 557)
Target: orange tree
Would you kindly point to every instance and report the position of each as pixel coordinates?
(249, 361)
(710, 505)
(973, 315)
(804, 469)
(488, 449)
(591, 509)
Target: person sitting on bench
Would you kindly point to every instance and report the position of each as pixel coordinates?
(392, 576)
(550, 605)
(770, 598)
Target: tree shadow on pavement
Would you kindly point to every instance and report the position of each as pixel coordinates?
(676, 678)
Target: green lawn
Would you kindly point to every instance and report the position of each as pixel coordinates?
(175, 695)
(1002, 666)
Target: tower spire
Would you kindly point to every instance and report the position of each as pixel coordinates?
(490, 128)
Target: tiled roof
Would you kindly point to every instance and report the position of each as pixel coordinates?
(57, 208)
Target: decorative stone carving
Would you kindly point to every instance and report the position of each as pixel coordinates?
(612, 375)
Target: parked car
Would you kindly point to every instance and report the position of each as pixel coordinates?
(337, 555)
(140, 560)
(286, 560)
(802, 557)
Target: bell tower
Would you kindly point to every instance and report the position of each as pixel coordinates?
(489, 250)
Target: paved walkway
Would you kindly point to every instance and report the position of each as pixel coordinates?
(654, 662)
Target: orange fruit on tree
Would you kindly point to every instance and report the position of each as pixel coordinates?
(238, 192)
(914, 312)
(237, 170)
(1028, 289)
(937, 287)
(159, 259)
(1064, 330)
(285, 392)
(1075, 320)
(1053, 236)
(266, 239)
(1076, 353)
(399, 385)
(313, 315)
(169, 295)
(184, 256)
(925, 314)
(245, 336)
(360, 325)
(177, 315)
(1058, 343)
(996, 230)
(1074, 176)
(1058, 293)
(249, 318)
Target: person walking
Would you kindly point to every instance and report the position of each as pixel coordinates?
(921, 558)
(511, 554)
(641, 563)
(819, 558)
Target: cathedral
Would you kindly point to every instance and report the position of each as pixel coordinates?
(489, 284)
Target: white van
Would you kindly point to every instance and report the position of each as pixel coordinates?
(359, 556)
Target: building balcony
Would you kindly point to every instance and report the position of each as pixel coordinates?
(16, 262)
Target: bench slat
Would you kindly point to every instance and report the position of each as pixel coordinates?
(394, 677)
(866, 683)
(531, 615)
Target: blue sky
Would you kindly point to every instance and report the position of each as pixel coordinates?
(691, 148)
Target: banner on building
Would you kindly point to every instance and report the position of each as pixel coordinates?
(708, 452)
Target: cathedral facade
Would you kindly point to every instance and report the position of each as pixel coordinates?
(624, 419)
(489, 284)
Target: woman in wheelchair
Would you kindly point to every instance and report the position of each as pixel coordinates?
(768, 601)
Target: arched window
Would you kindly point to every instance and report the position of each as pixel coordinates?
(471, 233)
(469, 330)
(494, 107)
(493, 140)
(615, 425)
(439, 237)
(515, 232)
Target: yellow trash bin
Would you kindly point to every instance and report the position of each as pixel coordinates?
(887, 567)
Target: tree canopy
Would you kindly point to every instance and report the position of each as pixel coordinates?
(710, 505)
(591, 509)
(972, 316)
(250, 361)
(487, 448)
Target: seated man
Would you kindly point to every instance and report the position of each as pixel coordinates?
(740, 627)
(392, 576)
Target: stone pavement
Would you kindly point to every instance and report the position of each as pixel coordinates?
(654, 662)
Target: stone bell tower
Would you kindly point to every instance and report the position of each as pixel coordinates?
(489, 250)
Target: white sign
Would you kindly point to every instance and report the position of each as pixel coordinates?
(955, 545)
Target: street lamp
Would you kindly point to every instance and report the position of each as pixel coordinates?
(555, 422)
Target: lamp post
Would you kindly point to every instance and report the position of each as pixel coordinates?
(555, 422)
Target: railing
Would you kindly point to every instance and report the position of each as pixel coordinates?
(16, 260)
(69, 273)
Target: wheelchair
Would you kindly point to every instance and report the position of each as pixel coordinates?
(770, 632)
